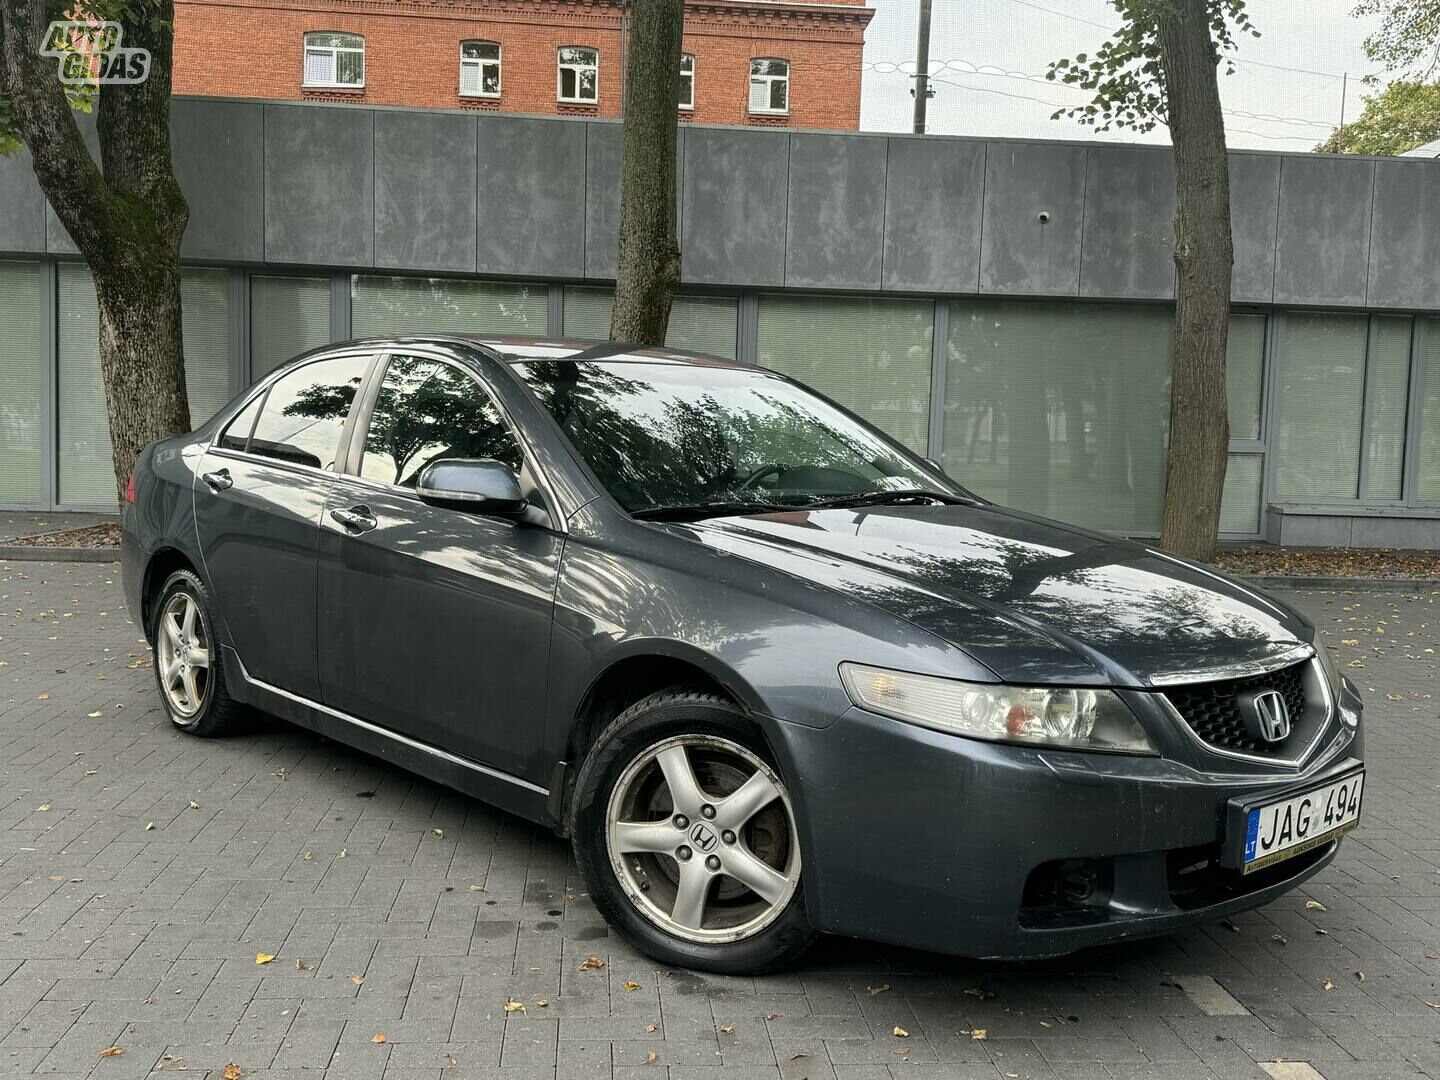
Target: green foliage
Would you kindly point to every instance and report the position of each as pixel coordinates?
(1401, 117)
(1125, 74)
(1409, 36)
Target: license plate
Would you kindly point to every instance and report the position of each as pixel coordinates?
(1288, 827)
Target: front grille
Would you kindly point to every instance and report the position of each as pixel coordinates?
(1212, 711)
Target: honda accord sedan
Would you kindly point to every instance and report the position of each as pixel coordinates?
(771, 673)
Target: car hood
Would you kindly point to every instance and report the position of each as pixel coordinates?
(1033, 600)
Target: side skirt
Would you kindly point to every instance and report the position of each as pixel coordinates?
(509, 793)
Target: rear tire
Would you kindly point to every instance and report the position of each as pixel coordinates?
(189, 663)
(686, 837)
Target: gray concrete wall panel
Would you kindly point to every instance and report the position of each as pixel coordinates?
(934, 202)
(1034, 213)
(425, 173)
(530, 201)
(1322, 244)
(835, 226)
(1129, 240)
(319, 185)
(734, 206)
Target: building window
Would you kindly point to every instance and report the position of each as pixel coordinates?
(335, 60)
(687, 80)
(1321, 374)
(409, 305)
(578, 75)
(770, 86)
(479, 69)
(22, 383)
(288, 316)
(707, 324)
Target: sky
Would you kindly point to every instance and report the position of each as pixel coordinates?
(1286, 93)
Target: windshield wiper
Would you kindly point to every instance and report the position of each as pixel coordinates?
(696, 511)
(896, 495)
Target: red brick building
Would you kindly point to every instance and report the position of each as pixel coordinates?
(789, 63)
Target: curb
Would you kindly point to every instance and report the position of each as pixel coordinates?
(1344, 584)
(36, 553)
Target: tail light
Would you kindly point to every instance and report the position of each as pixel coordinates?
(130, 489)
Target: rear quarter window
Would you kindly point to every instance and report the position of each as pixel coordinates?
(237, 433)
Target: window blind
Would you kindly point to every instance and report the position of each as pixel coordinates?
(398, 305)
(1319, 402)
(87, 471)
(1244, 370)
(205, 311)
(872, 356)
(288, 315)
(1061, 409)
(22, 383)
(1389, 400)
(1240, 504)
(702, 323)
(1428, 481)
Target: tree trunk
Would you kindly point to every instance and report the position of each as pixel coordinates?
(127, 221)
(649, 264)
(1204, 254)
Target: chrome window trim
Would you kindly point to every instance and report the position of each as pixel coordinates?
(1290, 762)
(1242, 670)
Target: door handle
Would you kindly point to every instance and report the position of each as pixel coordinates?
(218, 480)
(357, 519)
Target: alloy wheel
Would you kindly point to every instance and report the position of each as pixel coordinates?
(701, 835)
(183, 655)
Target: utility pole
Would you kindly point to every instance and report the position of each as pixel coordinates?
(922, 67)
(1344, 93)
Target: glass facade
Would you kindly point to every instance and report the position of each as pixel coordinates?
(872, 356)
(22, 384)
(86, 473)
(399, 305)
(1057, 408)
(287, 316)
(1060, 409)
(708, 324)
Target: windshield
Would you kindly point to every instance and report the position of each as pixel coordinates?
(661, 435)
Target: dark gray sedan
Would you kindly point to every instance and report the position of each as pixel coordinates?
(771, 673)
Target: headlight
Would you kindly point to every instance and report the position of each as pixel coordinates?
(1331, 672)
(1033, 716)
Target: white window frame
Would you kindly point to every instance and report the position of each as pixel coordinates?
(768, 81)
(333, 51)
(561, 67)
(480, 64)
(689, 106)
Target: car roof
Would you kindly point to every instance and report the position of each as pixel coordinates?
(518, 350)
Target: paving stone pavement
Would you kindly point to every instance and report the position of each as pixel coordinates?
(142, 871)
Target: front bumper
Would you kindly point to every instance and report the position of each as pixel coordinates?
(932, 841)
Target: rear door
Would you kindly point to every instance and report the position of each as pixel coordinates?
(435, 622)
(258, 504)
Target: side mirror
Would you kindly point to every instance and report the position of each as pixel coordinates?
(482, 487)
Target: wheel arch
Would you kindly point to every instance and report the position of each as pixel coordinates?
(158, 568)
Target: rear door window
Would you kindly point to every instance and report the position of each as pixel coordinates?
(304, 413)
(237, 432)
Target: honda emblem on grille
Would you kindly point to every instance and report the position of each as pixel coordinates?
(1266, 715)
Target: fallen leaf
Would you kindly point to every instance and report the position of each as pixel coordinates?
(1349, 641)
(378, 1038)
(91, 772)
(979, 1033)
(979, 992)
(1432, 956)
(1328, 985)
(342, 854)
(149, 825)
(231, 1072)
(1315, 905)
(194, 805)
(726, 1029)
(1281, 938)
(1433, 1004)
(900, 1033)
(1360, 975)
(514, 1006)
(43, 807)
(112, 1051)
(358, 980)
(1046, 1024)
(590, 963)
(263, 958)
(651, 1058)
(477, 888)
(874, 990)
(94, 714)
(797, 1057)
(450, 1058)
(307, 856)
(627, 986)
(46, 697)
(300, 966)
(543, 1003)
(438, 832)
(902, 1051)
(772, 1016)
(651, 1027)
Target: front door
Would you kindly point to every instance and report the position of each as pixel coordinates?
(435, 622)
(262, 489)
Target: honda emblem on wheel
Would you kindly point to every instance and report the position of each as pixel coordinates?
(1267, 716)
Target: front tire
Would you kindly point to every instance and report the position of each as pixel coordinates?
(189, 667)
(685, 834)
